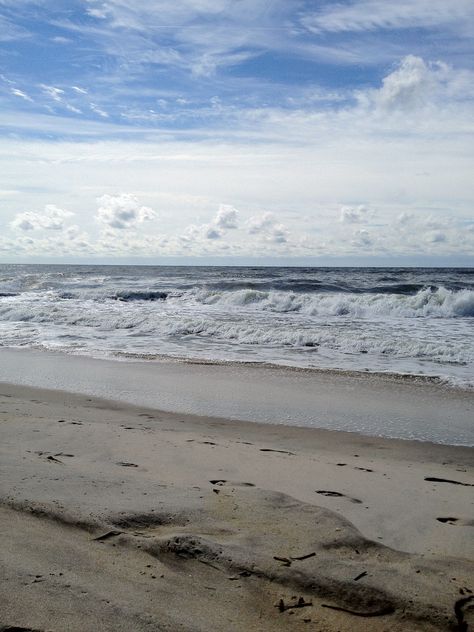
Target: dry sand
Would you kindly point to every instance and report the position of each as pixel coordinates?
(114, 518)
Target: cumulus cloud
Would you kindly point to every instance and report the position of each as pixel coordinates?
(362, 238)
(193, 233)
(404, 218)
(52, 218)
(259, 223)
(225, 219)
(408, 86)
(355, 214)
(122, 211)
(416, 84)
(266, 226)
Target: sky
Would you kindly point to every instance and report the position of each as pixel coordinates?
(271, 131)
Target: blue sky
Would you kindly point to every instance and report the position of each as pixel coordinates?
(264, 129)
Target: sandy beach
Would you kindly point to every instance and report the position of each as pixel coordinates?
(236, 316)
(120, 517)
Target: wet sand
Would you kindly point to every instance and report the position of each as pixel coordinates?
(120, 517)
(370, 404)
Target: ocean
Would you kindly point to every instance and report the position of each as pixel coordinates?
(409, 321)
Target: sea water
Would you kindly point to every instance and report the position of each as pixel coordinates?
(394, 320)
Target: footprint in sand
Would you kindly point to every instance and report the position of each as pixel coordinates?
(221, 482)
(331, 494)
(461, 522)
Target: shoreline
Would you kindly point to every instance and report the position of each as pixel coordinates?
(367, 404)
(109, 510)
(389, 376)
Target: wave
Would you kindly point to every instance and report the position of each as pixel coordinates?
(428, 302)
(397, 345)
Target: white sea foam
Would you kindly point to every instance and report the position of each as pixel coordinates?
(439, 303)
(407, 326)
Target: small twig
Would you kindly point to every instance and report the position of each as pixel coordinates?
(375, 613)
(286, 561)
(51, 458)
(434, 479)
(299, 558)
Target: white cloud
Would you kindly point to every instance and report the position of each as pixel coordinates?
(196, 36)
(406, 147)
(19, 93)
(101, 14)
(58, 39)
(196, 234)
(408, 86)
(266, 226)
(95, 108)
(58, 96)
(72, 108)
(369, 15)
(11, 32)
(122, 211)
(259, 223)
(362, 238)
(418, 88)
(52, 218)
(404, 218)
(226, 217)
(53, 92)
(355, 214)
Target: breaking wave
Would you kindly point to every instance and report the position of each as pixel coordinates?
(406, 321)
(428, 302)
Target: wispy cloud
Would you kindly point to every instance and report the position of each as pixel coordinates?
(19, 93)
(371, 15)
(322, 123)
